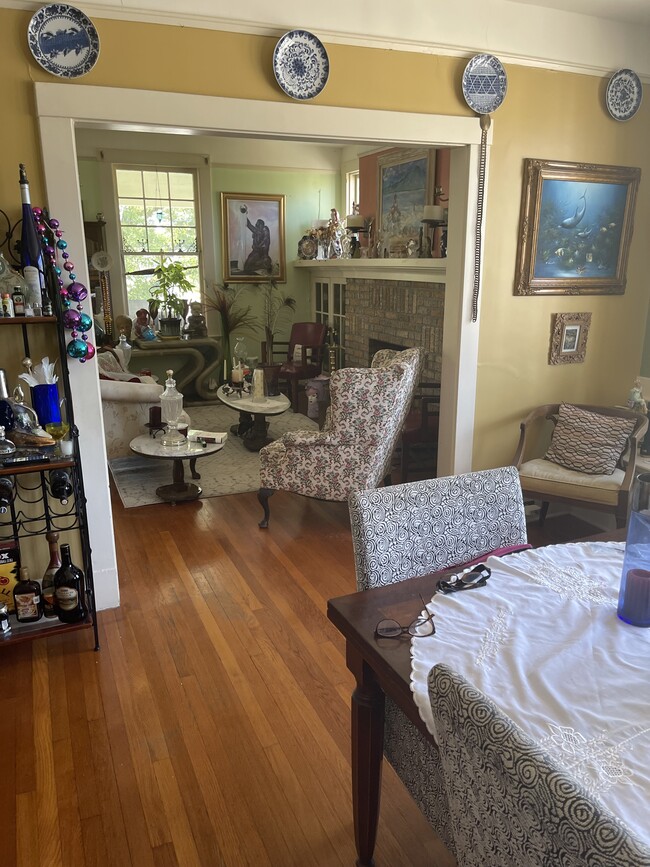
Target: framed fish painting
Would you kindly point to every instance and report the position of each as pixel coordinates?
(575, 228)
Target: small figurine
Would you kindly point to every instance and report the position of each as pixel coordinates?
(196, 326)
(635, 399)
(142, 327)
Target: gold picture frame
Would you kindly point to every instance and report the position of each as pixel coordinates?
(253, 245)
(569, 332)
(575, 228)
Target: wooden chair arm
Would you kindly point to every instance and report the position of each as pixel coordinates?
(548, 411)
(628, 478)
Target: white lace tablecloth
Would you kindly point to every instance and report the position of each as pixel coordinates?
(543, 641)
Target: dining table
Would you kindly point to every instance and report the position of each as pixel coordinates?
(542, 639)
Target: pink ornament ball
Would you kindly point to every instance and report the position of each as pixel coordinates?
(90, 352)
(69, 266)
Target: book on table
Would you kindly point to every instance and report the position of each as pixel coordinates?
(206, 436)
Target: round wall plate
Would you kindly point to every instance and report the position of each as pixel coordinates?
(63, 40)
(300, 64)
(624, 94)
(484, 83)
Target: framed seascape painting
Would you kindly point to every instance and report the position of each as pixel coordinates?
(252, 238)
(569, 332)
(405, 187)
(576, 227)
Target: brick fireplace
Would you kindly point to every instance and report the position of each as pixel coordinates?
(394, 313)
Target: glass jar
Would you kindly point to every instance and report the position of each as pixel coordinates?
(634, 595)
(171, 407)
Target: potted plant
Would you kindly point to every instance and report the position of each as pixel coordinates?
(166, 297)
(276, 307)
(223, 299)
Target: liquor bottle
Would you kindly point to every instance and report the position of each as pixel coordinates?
(6, 494)
(18, 298)
(47, 582)
(27, 598)
(60, 485)
(69, 596)
(31, 251)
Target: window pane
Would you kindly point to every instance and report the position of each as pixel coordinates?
(185, 240)
(129, 182)
(156, 185)
(140, 263)
(181, 185)
(134, 239)
(183, 213)
(131, 212)
(157, 213)
(160, 238)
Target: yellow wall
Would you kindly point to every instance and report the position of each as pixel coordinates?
(546, 115)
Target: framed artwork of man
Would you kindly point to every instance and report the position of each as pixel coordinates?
(253, 245)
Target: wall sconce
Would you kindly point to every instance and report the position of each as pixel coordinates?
(439, 194)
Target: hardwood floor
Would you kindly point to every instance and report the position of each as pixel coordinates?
(213, 726)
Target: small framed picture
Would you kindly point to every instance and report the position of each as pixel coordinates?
(569, 332)
(253, 238)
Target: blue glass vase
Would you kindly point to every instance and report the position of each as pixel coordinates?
(634, 595)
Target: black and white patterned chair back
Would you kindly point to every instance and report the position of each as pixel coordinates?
(510, 805)
(412, 529)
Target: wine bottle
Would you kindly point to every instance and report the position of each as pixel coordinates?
(6, 494)
(60, 485)
(69, 595)
(27, 598)
(47, 582)
(31, 251)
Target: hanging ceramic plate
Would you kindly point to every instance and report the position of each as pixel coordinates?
(307, 247)
(301, 64)
(63, 40)
(484, 83)
(624, 94)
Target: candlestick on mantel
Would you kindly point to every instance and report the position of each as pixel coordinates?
(435, 213)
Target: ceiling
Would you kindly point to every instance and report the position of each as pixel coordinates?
(629, 11)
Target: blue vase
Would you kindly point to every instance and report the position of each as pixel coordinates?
(634, 595)
(45, 400)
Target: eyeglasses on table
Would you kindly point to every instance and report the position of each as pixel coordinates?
(421, 626)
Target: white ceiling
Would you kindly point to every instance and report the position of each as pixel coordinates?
(630, 11)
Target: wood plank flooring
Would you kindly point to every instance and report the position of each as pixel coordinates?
(213, 726)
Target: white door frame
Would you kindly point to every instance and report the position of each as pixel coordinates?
(61, 108)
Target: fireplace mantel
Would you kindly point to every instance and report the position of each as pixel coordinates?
(420, 270)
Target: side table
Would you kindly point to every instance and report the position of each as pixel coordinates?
(179, 491)
(252, 426)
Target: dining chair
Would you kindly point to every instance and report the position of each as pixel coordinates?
(355, 446)
(590, 461)
(509, 802)
(304, 353)
(408, 530)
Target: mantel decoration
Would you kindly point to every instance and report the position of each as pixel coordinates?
(569, 332)
(252, 237)
(63, 40)
(484, 87)
(576, 227)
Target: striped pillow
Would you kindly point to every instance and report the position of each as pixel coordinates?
(587, 441)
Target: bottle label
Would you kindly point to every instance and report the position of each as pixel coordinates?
(66, 598)
(27, 604)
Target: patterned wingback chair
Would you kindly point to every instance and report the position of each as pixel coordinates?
(351, 452)
(510, 804)
(409, 530)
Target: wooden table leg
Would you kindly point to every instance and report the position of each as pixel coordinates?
(179, 491)
(256, 438)
(367, 755)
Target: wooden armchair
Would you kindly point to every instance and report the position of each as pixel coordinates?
(420, 431)
(308, 362)
(546, 480)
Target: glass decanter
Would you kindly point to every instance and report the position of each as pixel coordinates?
(171, 407)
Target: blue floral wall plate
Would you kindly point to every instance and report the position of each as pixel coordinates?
(624, 94)
(301, 64)
(484, 83)
(63, 40)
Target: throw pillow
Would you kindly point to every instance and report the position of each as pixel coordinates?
(588, 442)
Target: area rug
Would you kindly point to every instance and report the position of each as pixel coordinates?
(232, 470)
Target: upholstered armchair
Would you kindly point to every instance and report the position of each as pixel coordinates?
(408, 530)
(590, 461)
(510, 804)
(354, 449)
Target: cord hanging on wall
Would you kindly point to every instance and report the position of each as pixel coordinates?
(484, 88)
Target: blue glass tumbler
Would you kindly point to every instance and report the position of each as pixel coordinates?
(45, 400)
(634, 595)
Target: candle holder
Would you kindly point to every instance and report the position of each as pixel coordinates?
(634, 595)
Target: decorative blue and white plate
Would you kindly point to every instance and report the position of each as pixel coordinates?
(484, 83)
(624, 94)
(301, 64)
(63, 40)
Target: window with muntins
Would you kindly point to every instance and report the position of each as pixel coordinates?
(158, 214)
